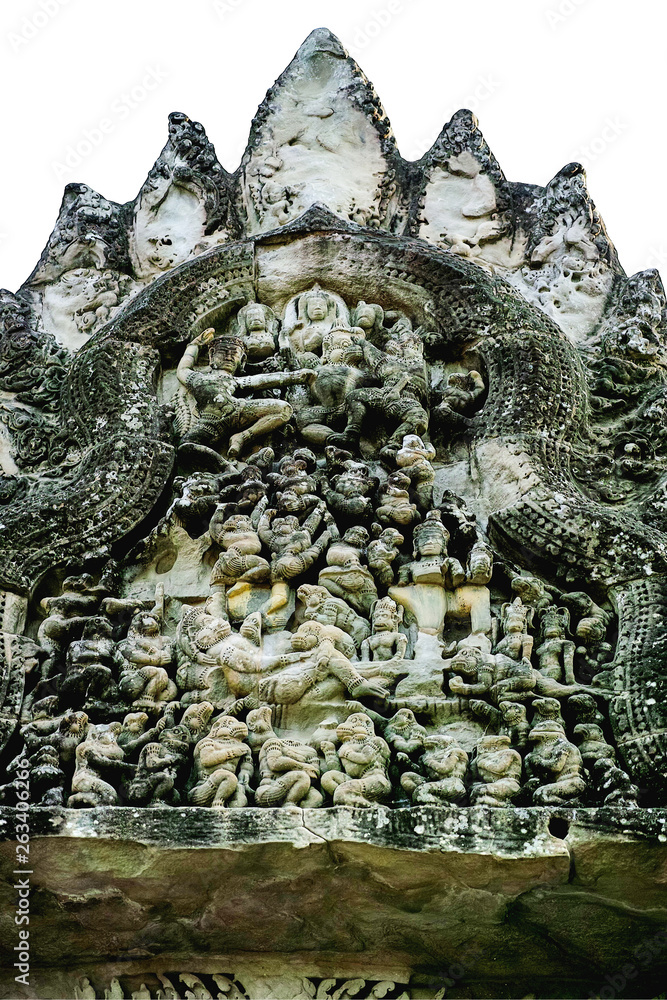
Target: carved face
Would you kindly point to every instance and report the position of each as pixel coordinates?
(337, 346)
(255, 320)
(312, 597)
(466, 661)
(259, 720)
(147, 625)
(316, 307)
(251, 628)
(404, 719)
(431, 539)
(306, 637)
(227, 357)
(213, 632)
(356, 536)
(228, 728)
(135, 722)
(385, 618)
(413, 447)
(364, 315)
(356, 726)
(285, 526)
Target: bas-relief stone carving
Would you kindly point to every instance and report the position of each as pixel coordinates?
(328, 517)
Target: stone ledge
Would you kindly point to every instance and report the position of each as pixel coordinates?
(415, 889)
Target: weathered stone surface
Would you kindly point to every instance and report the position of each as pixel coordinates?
(420, 889)
(336, 666)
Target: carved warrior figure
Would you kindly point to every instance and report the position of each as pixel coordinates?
(321, 607)
(288, 769)
(356, 774)
(382, 551)
(219, 411)
(444, 766)
(239, 565)
(386, 642)
(91, 664)
(432, 564)
(345, 575)
(497, 770)
(292, 549)
(415, 457)
(308, 318)
(327, 651)
(222, 766)
(99, 754)
(553, 766)
(402, 398)
(147, 654)
(257, 326)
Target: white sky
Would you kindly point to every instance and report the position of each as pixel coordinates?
(550, 80)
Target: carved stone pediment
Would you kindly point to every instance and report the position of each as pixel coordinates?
(332, 543)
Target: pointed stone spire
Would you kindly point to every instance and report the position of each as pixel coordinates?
(184, 204)
(462, 200)
(566, 217)
(320, 135)
(636, 326)
(89, 232)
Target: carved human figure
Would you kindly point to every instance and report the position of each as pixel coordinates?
(401, 396)
(514, 677)
(405, 735)
(257, 326)
(199, 637)
(90, 666)
(599, 758)
(136, 733)
(45, 775)
(63, 731)
(556, 653)
(220, 412)
(432, 564)
(414, 458)
(460, 399)
(382, 552)
(350, 493)
(319, 411)
(99, 754)
(146, 654)
(66, 615)
(308, 317)
(386, 642)
(553, 766)
(368, 318)
(395, 506)
(496, 771)
(515, 618)
(479, 566)
(472, 672)
(295, 474)
(356, 774)
(239, 565)
(345, 574)
(156, 778)
(327, 652)
(443, 766)
(292, 548)
(222, 766)
(614, 785)
(592, 744)
(320, 606)
(288, 769)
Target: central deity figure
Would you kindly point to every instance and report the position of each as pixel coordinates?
(219, 410)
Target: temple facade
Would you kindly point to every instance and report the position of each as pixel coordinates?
(333, 577)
